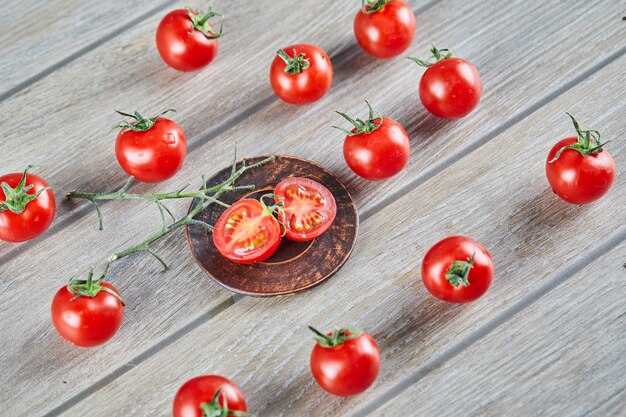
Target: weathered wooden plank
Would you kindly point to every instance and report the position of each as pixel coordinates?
(39, 36)
(562, 356)
(497, 195)
(193, 295)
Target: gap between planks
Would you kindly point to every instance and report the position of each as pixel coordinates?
(82, 51)
(561, 276)
(340, 57)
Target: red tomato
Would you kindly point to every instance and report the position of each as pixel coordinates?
(27, 206)
(87, 313)
(579, 170)
(301, 74)
(151, 150)
(451, 87)
(457, 269)
(186, 40)
(308, 208)
(207, 395)
(377, 148)
(345, 362)
(247, 232)
(384, 28)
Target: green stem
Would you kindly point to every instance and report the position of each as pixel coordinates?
(294, 65)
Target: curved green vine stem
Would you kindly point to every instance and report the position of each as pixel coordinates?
(588, 142)
(90, 287)
(438, 55)
(361, 126)
(138, 123)
(201, 21)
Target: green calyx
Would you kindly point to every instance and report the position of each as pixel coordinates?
(588, 142)
(201, 21)
(438, 55)
(294, 65)
(139, 123)
(16, 199)
(214, 409)
(459, 272)
(361, 126)
(337, 337)
(373, 6)
(90, 287)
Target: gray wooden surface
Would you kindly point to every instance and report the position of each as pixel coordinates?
(481, 176)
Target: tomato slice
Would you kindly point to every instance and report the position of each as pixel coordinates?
(246, 232)
(308, 209)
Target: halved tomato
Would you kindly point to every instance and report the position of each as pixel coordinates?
(247, 232)
(308, 208)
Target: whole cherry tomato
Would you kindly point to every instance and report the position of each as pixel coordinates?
(186, 40)
(247, 231)
(27, 206)
(377, 148)
(457, 269)
(384, 28)
(451, 87)
(151, 150)
(301, 74)
(578, 168)
(308, 208)
(87, 312)
(345, 362)
(209, 395)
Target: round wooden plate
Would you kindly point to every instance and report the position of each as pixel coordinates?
(295, 266)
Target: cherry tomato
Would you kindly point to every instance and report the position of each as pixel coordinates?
(87, 313)
(207, 395)
(301, 74)
(451, 87)
(308, 208)
(384, 28)
(27, 206)
(186, 40)
(345, 362)
(151, 150)
(457, 269)
(247, 232)
(579, 170)
(377, 148)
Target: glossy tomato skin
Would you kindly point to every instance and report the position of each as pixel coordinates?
(87, 321)
(380, 154)
(36, 217)
(308, 209)
(387, 32)
(347, 369)
(181, 46)
(153, 155)
(202, 389)
(579, 179)
(450, 88)
(245, 234)
(308, 86)
(439, 259)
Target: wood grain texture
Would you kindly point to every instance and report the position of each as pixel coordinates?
(187, 296)
(295, 266)
(562, 356)
(37, 35)
(496, 195)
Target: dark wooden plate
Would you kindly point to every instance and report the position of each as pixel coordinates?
(295, 266)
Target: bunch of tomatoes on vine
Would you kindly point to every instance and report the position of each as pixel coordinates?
(345, 361)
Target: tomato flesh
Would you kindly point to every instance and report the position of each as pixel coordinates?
(308, 209)
(579, 179)
(440, 257)
(387, 32)
(37, 215)
(181, 46)
(202, 389)
(246, 234)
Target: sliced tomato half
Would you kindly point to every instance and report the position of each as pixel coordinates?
(247, 232)
(308, 209)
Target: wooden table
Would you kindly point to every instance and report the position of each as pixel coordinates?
(547, 339)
